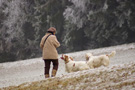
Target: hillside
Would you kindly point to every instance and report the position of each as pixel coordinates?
(28, 74)
(115, 77)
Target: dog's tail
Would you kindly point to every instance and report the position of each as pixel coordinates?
(111, 54)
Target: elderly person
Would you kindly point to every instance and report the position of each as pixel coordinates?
(49, 43)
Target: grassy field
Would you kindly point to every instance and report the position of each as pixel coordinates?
(28, 74)
(121, 77)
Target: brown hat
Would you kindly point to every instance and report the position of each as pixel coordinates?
(52, 29)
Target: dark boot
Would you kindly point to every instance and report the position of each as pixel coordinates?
(46, 75)
(54, 72)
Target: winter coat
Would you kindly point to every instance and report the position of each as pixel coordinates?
(49, 48)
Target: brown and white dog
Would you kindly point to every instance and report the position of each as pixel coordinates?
(73, 66)
(97, 61)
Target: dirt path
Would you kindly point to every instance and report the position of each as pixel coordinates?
(15, 73)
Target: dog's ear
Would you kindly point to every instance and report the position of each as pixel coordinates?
(87, 57)
(66, 57)
(71, 58)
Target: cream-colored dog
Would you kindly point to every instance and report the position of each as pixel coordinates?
(97, 61)
(73, 66)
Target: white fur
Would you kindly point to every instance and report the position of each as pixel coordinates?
(73, 66)
(97, 61)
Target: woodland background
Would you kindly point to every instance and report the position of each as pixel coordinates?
(80, 24)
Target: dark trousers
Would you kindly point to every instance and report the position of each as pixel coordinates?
(47, 63)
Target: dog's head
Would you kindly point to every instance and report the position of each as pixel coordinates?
(88, 55)
(66, 58)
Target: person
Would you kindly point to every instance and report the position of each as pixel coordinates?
(49, 51)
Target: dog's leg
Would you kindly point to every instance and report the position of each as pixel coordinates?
(91, 66)
(106, 63)
(67, 70)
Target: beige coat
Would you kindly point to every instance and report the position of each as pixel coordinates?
(49, 49)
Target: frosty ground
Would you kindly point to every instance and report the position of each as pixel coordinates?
(15, 73)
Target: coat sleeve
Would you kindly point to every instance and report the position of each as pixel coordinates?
(56, 42)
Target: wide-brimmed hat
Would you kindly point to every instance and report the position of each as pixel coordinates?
(52, 29)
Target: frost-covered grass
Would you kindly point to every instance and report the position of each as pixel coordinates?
(32, 70)
(114, 77)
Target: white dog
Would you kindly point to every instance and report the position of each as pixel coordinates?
(73, 66)
(97, 61)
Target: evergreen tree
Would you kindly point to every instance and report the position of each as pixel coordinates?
(105, 23)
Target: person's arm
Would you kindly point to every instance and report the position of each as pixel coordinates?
(56, 42)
